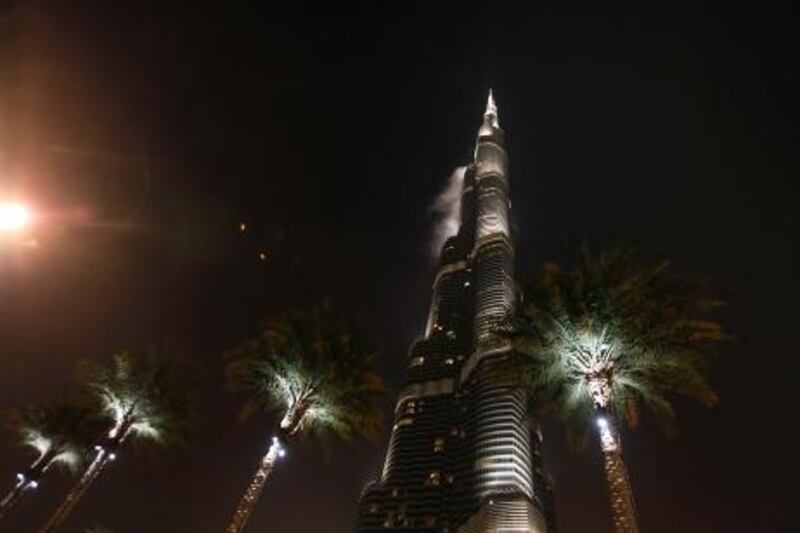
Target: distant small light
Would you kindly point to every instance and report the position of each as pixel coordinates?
(112, 456)
(281, 453)
(21, 477)
(602, 422)
(98, 448)
(275, 440)
(263, 256)
(466, 283)
(34, 484)
(242, 227)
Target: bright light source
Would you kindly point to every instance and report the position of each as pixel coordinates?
(13, 216)
(98, 448)
(281, 453)
(34, 484)
(112, 456)
(20, 477)
(602, 422)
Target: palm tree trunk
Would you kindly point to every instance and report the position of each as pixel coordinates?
(77, 492)
(253, 493)
(12, 497)
(30, 480)
(622, 507)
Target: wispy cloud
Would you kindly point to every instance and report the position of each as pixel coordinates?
(446, 210)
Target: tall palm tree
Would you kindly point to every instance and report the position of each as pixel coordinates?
(57, 432)
(144, 399)
(317, 376)
(602, 338)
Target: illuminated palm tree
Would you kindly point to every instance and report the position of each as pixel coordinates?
(143, 399)
(599, 340)
(316, 376)
(57, 432)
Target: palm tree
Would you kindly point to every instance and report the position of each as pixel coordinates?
(606, 336)
(57, 432)
(144, 399)
(317, 376)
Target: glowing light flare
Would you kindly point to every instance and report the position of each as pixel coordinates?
(13, 216)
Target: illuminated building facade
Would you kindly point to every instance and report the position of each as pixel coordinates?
(463, 456)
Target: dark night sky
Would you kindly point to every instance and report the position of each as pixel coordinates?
(145, 131)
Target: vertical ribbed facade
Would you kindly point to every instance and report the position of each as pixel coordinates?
(462, 455)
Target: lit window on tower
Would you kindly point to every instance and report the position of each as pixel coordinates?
(438, 444)
(416, 361)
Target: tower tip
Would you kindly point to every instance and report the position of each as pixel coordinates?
(490, 121)
(491, 107)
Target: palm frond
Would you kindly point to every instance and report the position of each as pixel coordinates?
(316, 360)
(153, 394)
(58, 432)
(647, 330)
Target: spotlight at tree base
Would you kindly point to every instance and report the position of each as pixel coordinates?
(13, 216)
(277, 448)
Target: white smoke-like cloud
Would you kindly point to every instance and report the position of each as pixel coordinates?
(446, 210)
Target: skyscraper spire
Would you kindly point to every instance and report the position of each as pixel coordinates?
(491, 107)
(490, 122)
